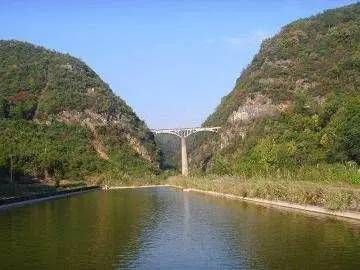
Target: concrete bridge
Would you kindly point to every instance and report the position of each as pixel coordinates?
(183, 133)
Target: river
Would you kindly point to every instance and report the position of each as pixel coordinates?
(161, 228)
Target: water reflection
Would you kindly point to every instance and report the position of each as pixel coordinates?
(164, 229)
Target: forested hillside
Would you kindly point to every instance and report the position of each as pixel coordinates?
(170, 149)
(296, 106)
(59, 120)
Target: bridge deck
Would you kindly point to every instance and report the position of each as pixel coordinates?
(184, 132)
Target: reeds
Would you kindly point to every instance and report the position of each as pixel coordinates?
(333, 196)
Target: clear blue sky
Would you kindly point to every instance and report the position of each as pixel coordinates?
(172, 61)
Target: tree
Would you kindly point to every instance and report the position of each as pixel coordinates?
(4, 108)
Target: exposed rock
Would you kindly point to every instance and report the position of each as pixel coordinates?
(91, 91)
(138, 147)
(67, 66)
(282, 64)
(304, 84)
(257, 107)
(92, 120)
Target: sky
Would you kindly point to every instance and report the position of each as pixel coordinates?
(171, 61)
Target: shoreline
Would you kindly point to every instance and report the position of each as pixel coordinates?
(346, 215)
(142, 186)
(276, 204)
(21, 201)
(282, 204)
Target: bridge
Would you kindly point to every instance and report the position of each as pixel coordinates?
(183, 133)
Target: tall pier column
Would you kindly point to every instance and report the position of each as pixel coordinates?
(184, 160)
(182, 133)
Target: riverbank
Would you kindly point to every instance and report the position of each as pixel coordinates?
(305, 208)
(354, 215)
(330, 196)
(22, 200)
(339, 200)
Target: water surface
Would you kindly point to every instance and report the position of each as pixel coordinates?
(161, 228)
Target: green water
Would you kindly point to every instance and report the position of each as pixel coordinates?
(161, 228)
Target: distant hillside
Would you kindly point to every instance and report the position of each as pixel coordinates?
(297, 104)
(58, 120)
(170, 149)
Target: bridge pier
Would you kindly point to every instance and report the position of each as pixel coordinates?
(184, 159)
(182, 133)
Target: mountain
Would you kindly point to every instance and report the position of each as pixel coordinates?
(59, 120)
(297, 104)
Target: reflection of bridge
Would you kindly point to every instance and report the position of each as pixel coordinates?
(183, 133)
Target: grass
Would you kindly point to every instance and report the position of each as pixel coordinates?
(8, 190)
(127, 180)
(328, 186)
(334, 188)
(143, 181)
(338, 196)
(321, 173)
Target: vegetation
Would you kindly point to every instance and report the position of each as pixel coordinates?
(42, 151)
(40, 82)
(13, 190)
(330, 196)
(143, 180)
(296, 108)
(170, 149)
(316, 56)
(294, 141)
(59, 120)
(290, 128)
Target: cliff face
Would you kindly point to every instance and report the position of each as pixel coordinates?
(41, 89)
(295, 102)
